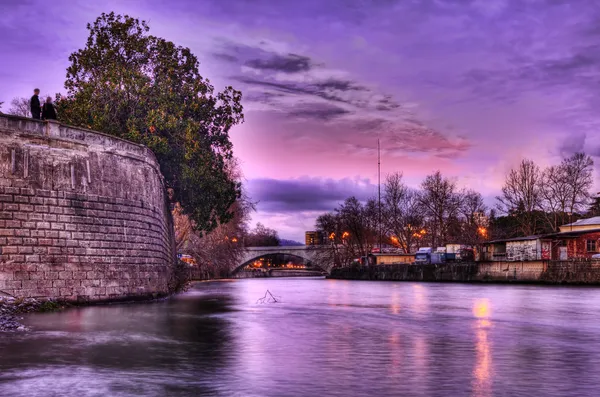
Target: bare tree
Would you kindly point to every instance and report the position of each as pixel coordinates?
(262, 236)
(555, 192)
(19, 106)
(351, 231)
(522, 196)
(473, 211)
(578, 171)
(566, 189)
(335, 251)
(359, 223)
(403, 218)
(440, 203)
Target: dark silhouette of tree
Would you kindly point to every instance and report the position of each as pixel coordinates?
(262, 236)
(402, 213)
(565, 189)
(522, 196)
(594, 208)
(440, 202)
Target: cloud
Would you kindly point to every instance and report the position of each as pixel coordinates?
(331, 90)
(306, 90)
(225, 57)
(289, 63)
(318, 111)
(306, 194)
(573, 144)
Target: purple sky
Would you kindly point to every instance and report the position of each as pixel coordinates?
(467, 87)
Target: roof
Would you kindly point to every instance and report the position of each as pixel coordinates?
(576, 232)
(573, 233)
(525, 238)
(585, 222)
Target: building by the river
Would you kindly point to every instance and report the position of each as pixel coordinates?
(577, 240)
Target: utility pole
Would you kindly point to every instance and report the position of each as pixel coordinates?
(379, 190)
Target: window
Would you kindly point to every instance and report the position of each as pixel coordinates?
(591, 245)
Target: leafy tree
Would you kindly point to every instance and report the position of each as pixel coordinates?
(136, 86)
(220, 250)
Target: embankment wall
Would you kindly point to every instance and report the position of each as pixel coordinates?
(583, 272)
(83, 215)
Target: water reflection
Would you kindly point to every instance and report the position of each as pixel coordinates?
(482, 384)
(326, 338)
(395, 304)
(419, 298)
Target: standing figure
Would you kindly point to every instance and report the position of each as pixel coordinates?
(48, 112)
(34, 104)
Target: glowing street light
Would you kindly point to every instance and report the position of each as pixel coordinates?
(345, 235)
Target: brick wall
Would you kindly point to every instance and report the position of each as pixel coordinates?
(83, 216)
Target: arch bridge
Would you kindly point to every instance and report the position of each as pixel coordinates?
(309, 254)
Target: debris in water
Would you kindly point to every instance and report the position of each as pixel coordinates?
(268, 298)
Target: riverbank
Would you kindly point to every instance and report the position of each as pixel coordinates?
(536, 272)
(11, 310)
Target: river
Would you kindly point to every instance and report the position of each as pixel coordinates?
(323, 338)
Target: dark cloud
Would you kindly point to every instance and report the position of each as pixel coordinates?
(290, 63)
(314, 93)
(387, 104)
(306, 194)
(573, 144)
(323, 90)
(318, 111)
(265, 97)
(226, 57)
(340, 85)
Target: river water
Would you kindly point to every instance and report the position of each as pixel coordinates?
(323, 338)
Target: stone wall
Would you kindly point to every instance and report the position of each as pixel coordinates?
(83, 215)
(526, 271)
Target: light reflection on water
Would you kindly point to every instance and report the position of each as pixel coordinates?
(326, 338)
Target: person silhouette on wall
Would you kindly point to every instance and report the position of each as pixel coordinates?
(34, 105)
(48, 111)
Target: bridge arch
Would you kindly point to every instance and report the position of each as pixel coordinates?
(274, 255)
(308, 255)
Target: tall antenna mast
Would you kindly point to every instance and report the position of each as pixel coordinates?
(379, 189)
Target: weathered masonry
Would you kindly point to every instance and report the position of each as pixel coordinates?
(83, 215)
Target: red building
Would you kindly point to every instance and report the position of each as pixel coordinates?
(580, 244)
(578, 240)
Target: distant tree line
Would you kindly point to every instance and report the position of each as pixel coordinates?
(533, 201)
